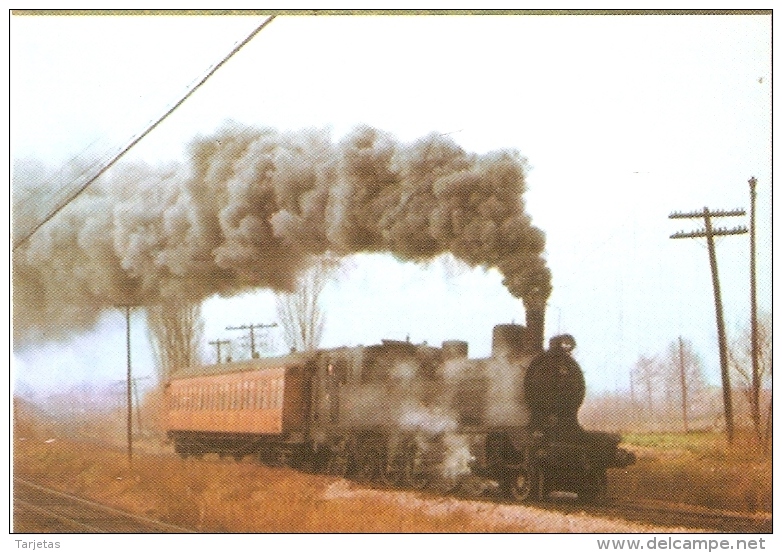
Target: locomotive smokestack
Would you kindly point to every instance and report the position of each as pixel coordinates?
(535, 324)
(535, 307)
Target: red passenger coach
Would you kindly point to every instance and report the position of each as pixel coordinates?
(233, 408)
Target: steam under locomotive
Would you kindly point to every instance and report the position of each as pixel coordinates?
(405, 414)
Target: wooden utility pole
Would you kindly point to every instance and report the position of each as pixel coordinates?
(251, 328)
(129, 417)
(755, 402)
(219, 343)
(709, 233)
(683, 378)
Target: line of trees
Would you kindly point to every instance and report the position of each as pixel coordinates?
(671, 387)
(668, 385)
(300, 312)
(176, 331)
(176, 327)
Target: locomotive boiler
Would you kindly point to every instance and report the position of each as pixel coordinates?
(401, 413)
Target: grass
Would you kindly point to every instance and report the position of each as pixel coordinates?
(223, 496)
(699, 469)
(216, 495)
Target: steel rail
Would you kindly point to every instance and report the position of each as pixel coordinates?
(105, 508)
(57, 516)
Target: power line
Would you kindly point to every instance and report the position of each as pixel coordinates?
(251, 328)
(709, 233)
(137, 139)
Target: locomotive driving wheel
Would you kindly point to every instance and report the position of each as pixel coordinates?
(416, 473)
(391, 469)
(368, 469)
(339, 456)
(523, 477)
(522, 485)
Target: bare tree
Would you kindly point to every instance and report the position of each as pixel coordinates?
(740, 355)
(646, 376)
(176, 330)
(300, 313)
(683, 376)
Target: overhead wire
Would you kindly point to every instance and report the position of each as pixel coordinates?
(138, 137)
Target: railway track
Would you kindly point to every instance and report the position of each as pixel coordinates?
(41, 509)
(658, 513)
(697, 517)
(674, 515)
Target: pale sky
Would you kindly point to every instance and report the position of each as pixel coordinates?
(623, 119)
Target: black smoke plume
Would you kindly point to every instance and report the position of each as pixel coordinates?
(251, 207)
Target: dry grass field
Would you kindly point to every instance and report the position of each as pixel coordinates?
(217, 495)
(697, 469)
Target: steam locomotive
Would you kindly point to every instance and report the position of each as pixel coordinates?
(405, 414)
